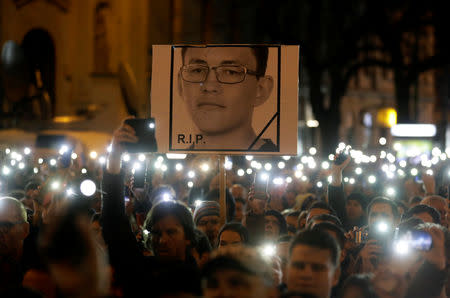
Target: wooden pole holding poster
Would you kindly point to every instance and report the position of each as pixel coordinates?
(222, 186)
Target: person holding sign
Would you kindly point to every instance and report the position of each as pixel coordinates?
(220, 87)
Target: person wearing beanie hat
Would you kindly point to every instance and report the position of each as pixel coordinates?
(356, 210)
(207, 220)
(274, 225)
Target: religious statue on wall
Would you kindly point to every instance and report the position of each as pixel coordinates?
(103, 34)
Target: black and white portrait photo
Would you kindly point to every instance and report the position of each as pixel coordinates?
(224, 98)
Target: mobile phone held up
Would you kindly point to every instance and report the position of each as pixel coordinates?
(340, 158)
(418, 240)
(145, 131)
(261, 185)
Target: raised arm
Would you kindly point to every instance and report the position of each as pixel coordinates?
(336, 195)
(122, 246)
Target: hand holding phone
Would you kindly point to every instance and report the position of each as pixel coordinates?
(144, 129)
(260, 186)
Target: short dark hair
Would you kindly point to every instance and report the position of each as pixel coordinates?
(235, 227)
(281, 221)
(362, 282)
(295, 213)
(408, 224)
(285, 238)
(307, 202)
(32, 185)
(328, 226)
(319, 239)
(402, 205)
(383, 200)
(202, 244)
(303, 215)
(422, 209)
(175, 209)
(322, 205)
(261, 53)
(360, 198)
(328, 218)
(415, 199)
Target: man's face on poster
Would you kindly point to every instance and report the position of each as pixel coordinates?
(224, 101)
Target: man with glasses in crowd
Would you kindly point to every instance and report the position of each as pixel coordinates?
(220, 87)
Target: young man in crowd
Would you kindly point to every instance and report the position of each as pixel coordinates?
(356, 210)
(313, 267)
(383, 218)
(351, 210)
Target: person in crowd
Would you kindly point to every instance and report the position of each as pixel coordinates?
(76, 264)
(313, 268)
(351, 211)
(319, 208)
(423, 212)
(254, 220)
(282, 251)
(302, 219)
(274, 225)
(289, 197)
(14, 228)
(324, 218)
(401, 207)
(170, 234)
(238, 272)
(202, 248)
(430, 279)
(440, 204)
(292, 221)
(413, 201)
(339, 235)
(232, 234)
(239, 191)
(96, 228)
(356, 210)
(335, 231)
(358, 286)
(304, 202)
(31, 194)
(383, 218)
(207, 220)
(240, 210)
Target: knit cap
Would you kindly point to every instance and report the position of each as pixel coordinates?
(206, 208)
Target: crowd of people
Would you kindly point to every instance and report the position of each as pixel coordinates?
(352, 226)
